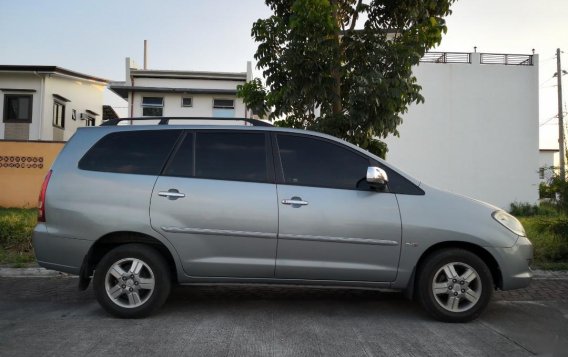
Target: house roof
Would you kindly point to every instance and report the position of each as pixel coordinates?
(50, 69)
(223, 76)
(123, 90)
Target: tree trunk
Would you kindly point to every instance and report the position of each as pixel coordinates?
(337, 106)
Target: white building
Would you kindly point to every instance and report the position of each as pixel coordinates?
(181, 93)
(477, 132)
(47, 102)
(548, 163)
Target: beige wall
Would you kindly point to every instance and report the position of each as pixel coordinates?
(23, 166)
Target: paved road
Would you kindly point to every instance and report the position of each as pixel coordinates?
(49, 317)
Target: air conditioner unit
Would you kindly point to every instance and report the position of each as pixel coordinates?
(83, 116)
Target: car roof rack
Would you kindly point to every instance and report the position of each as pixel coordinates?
(166, 120)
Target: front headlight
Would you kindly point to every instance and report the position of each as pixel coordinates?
(509, 222)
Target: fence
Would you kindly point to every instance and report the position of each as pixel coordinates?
(446, 57)
(506, 59)
(23, 166)
(484, 58)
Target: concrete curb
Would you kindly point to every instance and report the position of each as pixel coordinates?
(31, 273)
(44, 273)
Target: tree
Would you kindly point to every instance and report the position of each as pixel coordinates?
(325, 71)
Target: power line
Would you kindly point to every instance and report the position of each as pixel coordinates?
(543, 83)
(549, 119)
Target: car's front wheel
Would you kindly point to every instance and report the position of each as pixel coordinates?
(131, 281)
(454, 285)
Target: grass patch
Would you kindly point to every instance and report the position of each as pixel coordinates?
(550, 240)
(16, 226)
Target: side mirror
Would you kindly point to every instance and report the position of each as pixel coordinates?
(376, 176)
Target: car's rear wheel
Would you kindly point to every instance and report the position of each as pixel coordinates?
(454, 285)
(132, 280)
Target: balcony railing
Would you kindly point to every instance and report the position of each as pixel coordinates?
(506, 59)
(446, 57)
(484, 58)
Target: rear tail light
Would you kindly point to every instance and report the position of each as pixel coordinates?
(41, 201)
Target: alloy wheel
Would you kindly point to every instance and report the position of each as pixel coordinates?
(456, 287)
(129, 282)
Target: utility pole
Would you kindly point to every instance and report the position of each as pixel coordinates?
(560, 118)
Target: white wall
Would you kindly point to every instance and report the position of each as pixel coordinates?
(185, 83)
(16, 80)
(82, 94)
(477, 132)
(202, 104)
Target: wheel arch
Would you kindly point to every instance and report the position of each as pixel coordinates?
(481, 252)
(114, 239)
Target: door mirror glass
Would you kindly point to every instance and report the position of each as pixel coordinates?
(376, 176)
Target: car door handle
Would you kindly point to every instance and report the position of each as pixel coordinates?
(294, 201)
(172, 194)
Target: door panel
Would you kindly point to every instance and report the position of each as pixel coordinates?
(220, 228)
(339, 235)
(332, 224)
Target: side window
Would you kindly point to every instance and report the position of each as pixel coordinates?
(131, 152)
(312, 162)
(231, 156)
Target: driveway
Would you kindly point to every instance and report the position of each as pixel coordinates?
(49, 317)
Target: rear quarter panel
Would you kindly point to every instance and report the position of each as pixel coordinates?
(87, 205)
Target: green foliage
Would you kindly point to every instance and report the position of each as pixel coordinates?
(253, 94)
(525, 209)
(558, 226)
(315, 55)
(555, 190)
(546, 191)
(549, 236)
(16, 226)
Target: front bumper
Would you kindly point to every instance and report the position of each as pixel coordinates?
(514, 263)
(59, 253)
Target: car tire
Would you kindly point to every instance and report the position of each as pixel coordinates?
(454, 285)
(132, 281)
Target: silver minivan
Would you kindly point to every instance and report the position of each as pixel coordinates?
(142, 207)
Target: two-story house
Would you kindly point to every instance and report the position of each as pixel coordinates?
(181, 93)
(47, 102)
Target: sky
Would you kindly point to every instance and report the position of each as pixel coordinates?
(94, 37)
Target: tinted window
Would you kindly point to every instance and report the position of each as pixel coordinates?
(182, 163)
(131, 152)
(231, 156)
(312, 162)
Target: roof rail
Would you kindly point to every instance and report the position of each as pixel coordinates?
(166, 120)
